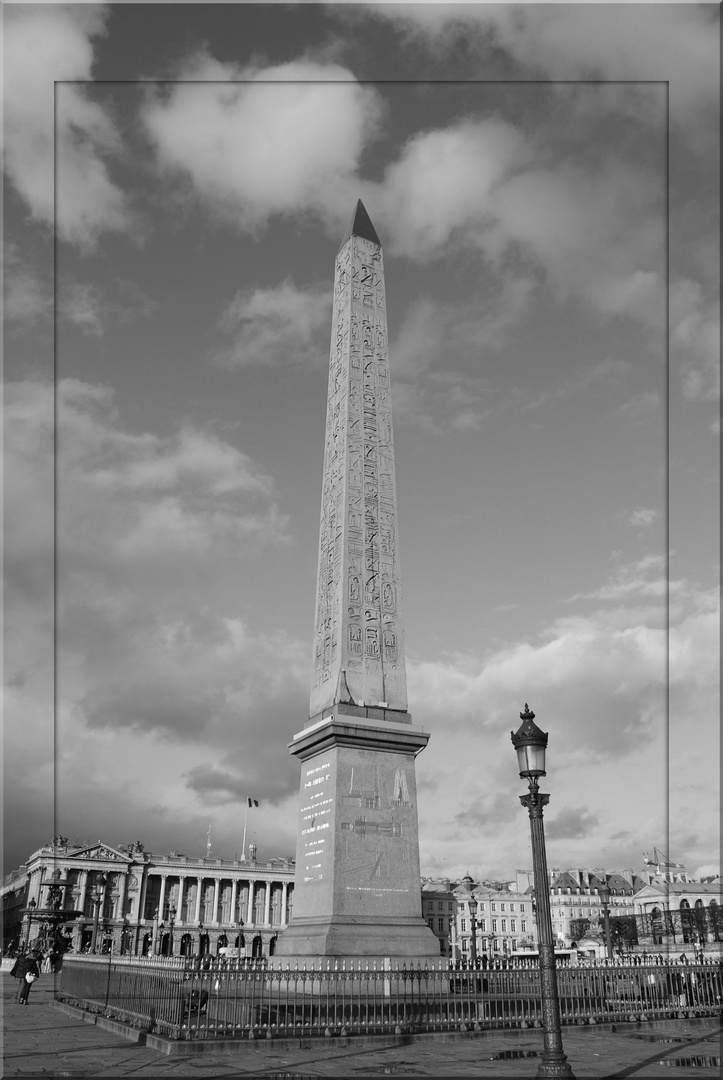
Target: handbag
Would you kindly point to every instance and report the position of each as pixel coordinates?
(30, 977)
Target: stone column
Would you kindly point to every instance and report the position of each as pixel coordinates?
(267, 904)
(199, 883)
(143, 892)
(250, 910)
(162, 897)
(234, 896)
(216, 894)
(122, 887)
(83, 890)
(181, 890)
(284, 899)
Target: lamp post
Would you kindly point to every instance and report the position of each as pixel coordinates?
(159, 943)
(473, 943)
(32, 904)
(605, 899)
(530, 744)
(200, 939)
(97, 898)
(171, 924)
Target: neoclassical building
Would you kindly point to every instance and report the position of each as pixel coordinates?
(681, 913)
(139, 903)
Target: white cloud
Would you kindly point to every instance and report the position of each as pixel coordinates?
(45, 45)
(440, 184)
(676, 42)
(284, 325)
(146, 641)
(256, 141)
(28, 298)
(81, 305)
(603, 684)
(643, 517)
(695, 339)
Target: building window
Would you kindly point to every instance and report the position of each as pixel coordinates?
(512, 907)
(494, 926)
(440, 925)
(494, 907)
(502, 907)
(483, 924)
(522, 907)
(513, 925)
(430, 923)
(449, 906)
(504, 926)
(465, 945)
(523, 925)
(440, 906)
(464, 924)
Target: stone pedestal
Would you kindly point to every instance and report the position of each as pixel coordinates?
(357, 892)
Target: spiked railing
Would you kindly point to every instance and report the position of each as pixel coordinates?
(247, 1000)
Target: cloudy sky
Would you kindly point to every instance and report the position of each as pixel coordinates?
(544, 182)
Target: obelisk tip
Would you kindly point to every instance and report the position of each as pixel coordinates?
(361, 225)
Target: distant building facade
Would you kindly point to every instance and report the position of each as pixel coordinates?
(504, 922)
(680, 913)
(212, 903)
(575, 900)
(439, 910)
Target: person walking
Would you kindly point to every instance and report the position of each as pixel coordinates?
(26, 970)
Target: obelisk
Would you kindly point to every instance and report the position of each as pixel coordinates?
(357, 891)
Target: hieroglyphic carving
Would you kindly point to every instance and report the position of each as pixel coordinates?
(358, 627)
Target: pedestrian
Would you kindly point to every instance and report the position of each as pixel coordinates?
(26, 970)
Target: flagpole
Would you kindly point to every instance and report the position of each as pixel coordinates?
(243, 846)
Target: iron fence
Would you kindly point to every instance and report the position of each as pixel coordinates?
(241, 1000)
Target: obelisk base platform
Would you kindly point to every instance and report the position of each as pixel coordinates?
(357, 892)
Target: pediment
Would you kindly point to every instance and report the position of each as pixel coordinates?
(650, 891)
(101, 852)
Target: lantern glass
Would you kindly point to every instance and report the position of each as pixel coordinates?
(531, 759)
(473, 908)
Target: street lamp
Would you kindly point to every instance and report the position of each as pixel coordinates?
(531, 744)
(171, 924)
(32, 904)
(472, 915)
(605, 899)
(97, 899)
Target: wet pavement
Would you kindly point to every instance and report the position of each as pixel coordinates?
(44, 1040)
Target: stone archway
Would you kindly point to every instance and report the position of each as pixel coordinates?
(257, 947)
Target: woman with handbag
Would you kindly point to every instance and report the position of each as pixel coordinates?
(26, 970)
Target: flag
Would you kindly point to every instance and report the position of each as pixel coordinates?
(253, 802)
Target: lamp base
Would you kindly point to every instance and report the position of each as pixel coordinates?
(554, 1064)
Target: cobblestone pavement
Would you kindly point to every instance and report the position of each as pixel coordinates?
(41, 1040)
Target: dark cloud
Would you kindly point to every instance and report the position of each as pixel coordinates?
(572, 824)
(489, 811)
